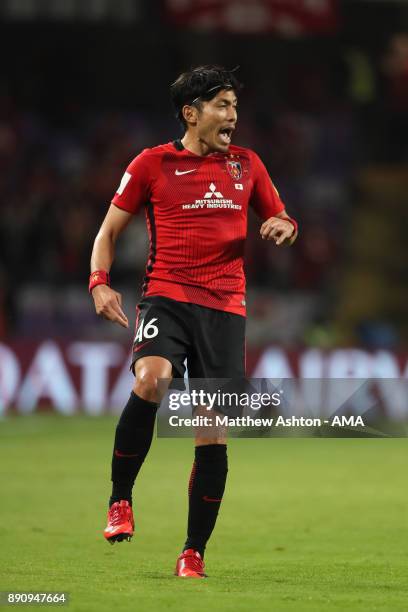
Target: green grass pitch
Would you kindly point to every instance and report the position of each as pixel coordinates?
(306, 524)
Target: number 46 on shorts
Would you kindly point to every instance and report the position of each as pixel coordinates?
(146, 331)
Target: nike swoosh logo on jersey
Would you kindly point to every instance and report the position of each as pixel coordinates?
(180, 172)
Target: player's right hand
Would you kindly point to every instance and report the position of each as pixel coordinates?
(108, 304)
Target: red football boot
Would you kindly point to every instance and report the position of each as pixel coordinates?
(120, 522)
(190, 565)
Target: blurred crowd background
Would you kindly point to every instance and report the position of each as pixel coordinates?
(84, 88)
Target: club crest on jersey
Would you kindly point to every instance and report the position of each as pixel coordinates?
(235, 169)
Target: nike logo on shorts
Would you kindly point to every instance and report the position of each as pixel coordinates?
(210, 499)
(180, 172)
(140, 346)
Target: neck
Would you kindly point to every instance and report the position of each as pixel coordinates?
(192, 143)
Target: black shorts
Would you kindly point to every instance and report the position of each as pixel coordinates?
(212, 341)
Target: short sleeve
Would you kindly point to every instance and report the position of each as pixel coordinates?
(134, 189)
(265, 199)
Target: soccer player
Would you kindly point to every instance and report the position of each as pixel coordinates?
(195, 193)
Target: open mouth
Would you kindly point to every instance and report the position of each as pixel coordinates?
(225, 134)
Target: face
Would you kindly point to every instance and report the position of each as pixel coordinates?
(215, 121)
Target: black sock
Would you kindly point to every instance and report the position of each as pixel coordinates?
(134, 433)
(205, 490)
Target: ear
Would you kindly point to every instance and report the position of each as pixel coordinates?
(190, 114)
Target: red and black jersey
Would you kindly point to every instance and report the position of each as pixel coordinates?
(196, 210)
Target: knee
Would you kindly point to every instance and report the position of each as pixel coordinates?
(148, 387)
(153, 375)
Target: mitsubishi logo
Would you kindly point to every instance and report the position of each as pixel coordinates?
(213, 192)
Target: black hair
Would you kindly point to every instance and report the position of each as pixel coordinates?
(201, 84)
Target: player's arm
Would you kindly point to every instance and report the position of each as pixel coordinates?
(132, 193)
(108, 303)
(265, 200)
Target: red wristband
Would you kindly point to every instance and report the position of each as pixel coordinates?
(294, 223)
(99, 277)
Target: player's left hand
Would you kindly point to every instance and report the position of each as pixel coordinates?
(279, 230)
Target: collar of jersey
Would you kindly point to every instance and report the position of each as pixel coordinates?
(178, 145)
